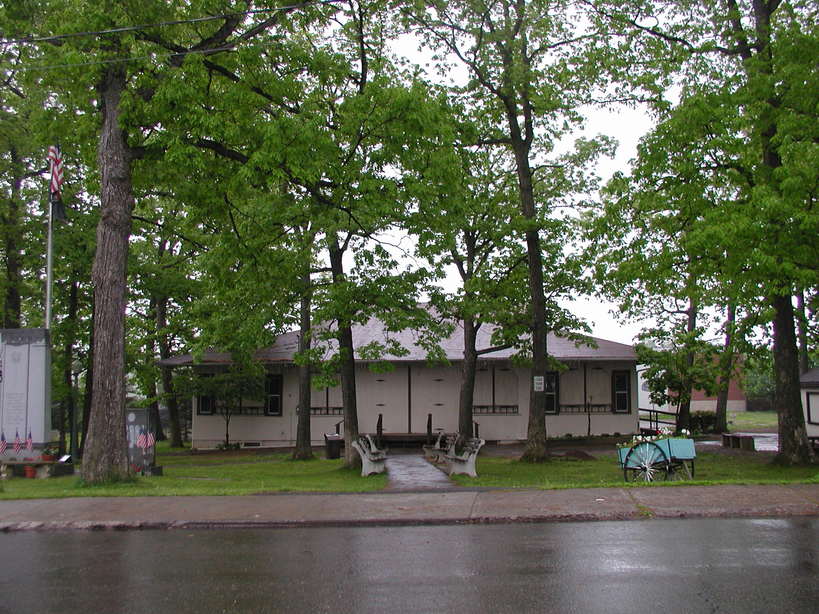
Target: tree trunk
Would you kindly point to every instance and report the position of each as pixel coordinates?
(347, 366)
(154, 420)
(802, 328)
(89, 381)
(468, 368)
(726, 371)
(226, 417)
(11, 236)
(105, 455)
(536, 449)
(303, 449)
(68, 353)
(684, 411)
(794, 447)
(168, 392)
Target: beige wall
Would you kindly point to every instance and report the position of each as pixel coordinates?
(711, 405)
(435, 390)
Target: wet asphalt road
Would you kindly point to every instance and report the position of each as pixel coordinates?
(667, 566)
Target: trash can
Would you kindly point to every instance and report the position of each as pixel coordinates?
(332, 443)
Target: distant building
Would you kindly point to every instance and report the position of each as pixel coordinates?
(736, 399)
(699, 400)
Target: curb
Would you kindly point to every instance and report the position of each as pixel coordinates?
(116, 525)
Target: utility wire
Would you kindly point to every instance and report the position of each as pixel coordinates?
(135, 58)
(159, 24)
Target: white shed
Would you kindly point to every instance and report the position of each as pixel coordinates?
(810, 401)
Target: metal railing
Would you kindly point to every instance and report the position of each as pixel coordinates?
(652, 416)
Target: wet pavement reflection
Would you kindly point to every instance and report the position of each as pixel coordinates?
(729, 565)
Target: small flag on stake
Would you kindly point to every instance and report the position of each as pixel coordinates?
(141, 440)
(29, 442)
(151, 440)
(18, 444)
(3, 443)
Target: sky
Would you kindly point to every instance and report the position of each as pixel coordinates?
(627, 126)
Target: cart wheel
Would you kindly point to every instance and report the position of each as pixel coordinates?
(645, 462)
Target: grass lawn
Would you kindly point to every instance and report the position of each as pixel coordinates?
(209, 474)
(753, 421)
(710, 468)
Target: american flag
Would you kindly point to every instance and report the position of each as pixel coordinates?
(18, 444)
(151, 440)
(3, 443)
(141, 440)
(55, 160)
(29, 442)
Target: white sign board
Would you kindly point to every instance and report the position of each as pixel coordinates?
(25, 386)
(538, 383)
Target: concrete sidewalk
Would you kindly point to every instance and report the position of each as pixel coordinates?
(455, 506)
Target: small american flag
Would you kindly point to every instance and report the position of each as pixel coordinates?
(29, 442)
(151, 440)
(3, 443)
(141, 440)
(18, 444)
(55, 160)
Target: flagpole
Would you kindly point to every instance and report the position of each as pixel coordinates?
(49, 250)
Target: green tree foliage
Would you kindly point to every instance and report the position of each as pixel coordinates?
(531, 66)
(302, 134)
(746, 124)
(671, 376)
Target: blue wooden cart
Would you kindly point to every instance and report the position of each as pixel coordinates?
(648, 461)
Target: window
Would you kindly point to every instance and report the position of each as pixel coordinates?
(552, 388)
(205, 403)
(813, 407)
(495, 410)
(621, 392)
(273, 394)
(326, 411)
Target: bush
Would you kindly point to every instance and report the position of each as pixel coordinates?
(760, 404)
(703, 422)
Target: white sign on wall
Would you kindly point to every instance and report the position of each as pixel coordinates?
(538, 382)
(25, 385)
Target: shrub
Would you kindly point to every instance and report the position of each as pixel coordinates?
(703, 422)
(227, 446)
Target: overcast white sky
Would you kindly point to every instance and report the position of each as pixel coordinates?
(627, 126)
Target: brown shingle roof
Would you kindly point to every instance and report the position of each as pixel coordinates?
(810, 379)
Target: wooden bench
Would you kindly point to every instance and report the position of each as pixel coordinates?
(445, 444)
(373, 460)
(464, 462)
(743, 442)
